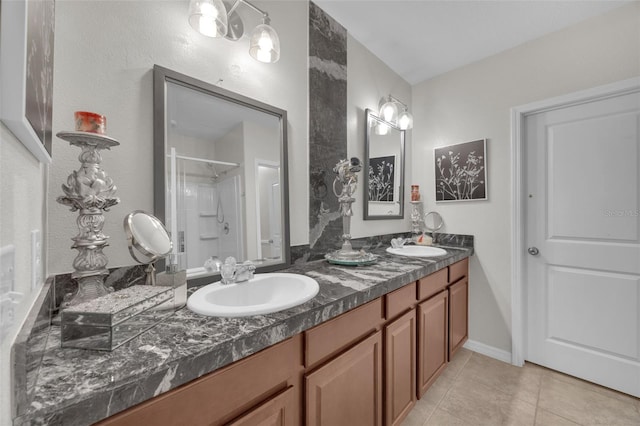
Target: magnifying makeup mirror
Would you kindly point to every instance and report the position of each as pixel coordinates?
(433, 222)
(148, 240)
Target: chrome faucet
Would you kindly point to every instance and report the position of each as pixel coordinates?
(233, 272)
(400, 242)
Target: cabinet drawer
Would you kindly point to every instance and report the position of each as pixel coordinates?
(400, 300)
(279, 410)
(333, 336)
(432, 284)
(458, 270)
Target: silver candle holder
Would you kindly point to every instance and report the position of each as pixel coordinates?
(346, 176)
(90, 192)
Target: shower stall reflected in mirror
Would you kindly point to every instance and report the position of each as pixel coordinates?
(206, 211)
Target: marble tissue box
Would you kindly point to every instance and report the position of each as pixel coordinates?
(109, 321)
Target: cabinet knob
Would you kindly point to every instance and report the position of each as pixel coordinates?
(533, 251)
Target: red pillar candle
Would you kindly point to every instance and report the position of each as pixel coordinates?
(90, 122)
(415, 193)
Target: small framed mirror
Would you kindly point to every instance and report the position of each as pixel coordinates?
(147, 235)
(433, 221)
(384, 162)
(148, 240)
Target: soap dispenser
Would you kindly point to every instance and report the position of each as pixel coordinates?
(175, 278)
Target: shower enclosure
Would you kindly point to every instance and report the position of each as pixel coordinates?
(205, 200)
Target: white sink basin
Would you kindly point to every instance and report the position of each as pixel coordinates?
(417, 251)
(263, 294)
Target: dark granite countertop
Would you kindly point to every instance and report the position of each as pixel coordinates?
(80, 387)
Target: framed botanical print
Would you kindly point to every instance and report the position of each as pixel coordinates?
(26, 73)
(461, 171)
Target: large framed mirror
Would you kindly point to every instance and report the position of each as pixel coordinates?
(384, 159)
(220, 176)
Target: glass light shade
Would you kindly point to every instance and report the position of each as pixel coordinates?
(208, 17)
(265, 44)
(389, 112)
(381, 129)
(405, 120)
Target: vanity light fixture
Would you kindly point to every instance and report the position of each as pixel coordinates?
(211, 18)
(208, 17)
(389, 112)
(265, 44)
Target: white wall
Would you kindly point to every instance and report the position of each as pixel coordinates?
(22, 209)
(104, 56)
(474, 102)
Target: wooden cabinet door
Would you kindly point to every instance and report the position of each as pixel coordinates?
(458, 315)
(279, 410)
(433, 350)
(400, 368)
(348, 389)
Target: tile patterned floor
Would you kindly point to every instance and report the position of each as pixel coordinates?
(476, 390)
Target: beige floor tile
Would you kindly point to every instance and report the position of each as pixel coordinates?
(592, 386)
(420, 413)
(475, 390)
(581, 404)
(478, 404)
(414, 419)
(438, 389)
(521, 382)
(444, 418)
(457, 363)
(546, 418)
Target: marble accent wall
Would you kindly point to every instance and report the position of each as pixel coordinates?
(327, 125)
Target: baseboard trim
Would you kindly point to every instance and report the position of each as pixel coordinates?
(487, 350)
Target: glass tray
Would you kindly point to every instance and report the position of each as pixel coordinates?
(366, 259)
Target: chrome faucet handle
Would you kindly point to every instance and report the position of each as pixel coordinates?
(227, 273)
(250, 268)
(398, 242)
(244, 271)
(213, 264)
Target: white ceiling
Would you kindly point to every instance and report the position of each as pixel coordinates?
(420, 39)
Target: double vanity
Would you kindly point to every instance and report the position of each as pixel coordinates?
(368, 344)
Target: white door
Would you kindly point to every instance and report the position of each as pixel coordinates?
(583, 284)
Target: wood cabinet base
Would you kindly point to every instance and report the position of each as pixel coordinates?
(433, 325)
(348, 389)
(400, 368)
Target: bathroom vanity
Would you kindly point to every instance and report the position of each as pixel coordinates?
(377, 358)
(366, 347)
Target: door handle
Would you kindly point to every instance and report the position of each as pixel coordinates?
(533, 251)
